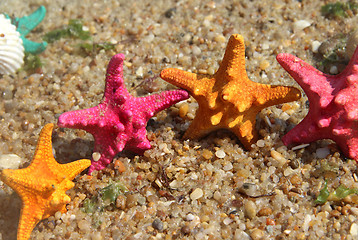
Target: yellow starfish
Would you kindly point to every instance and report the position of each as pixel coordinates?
(229, 99)
(43, 184)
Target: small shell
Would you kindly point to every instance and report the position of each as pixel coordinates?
(11, 48)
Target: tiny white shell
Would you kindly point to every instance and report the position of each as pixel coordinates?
(11, 48)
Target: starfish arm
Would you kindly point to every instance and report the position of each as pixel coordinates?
(200, 126)
(269, 95)
(27, 23)
(233, 64)
(318, 86)
(155, 103)
(186, 80)
(30, 215)
(307, 131)
(83, 119)
(114, 80)
(71, 170)
(33, 47)
(246, 133)
(43, 150)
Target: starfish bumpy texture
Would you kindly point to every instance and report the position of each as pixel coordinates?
(43, 184)
(120, 119)
(228, 99)
(25, 25)
(333, 111)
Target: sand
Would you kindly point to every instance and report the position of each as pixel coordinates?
(209, 188)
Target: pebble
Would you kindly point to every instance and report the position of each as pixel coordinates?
(301, 24)
(257, 234)
(84, 225)
(333, 70)
(260, 143)
(118, 164)
(354, 229)
(250, 209)
(220, 153)
(322, 152)
(157, 224)
(183, 109)
(96, 156)
(207, 154)
(228, 166)
(11, 161)
(264, 212)
(264, 64)
(315, 45)
(196, 194)
(278, 157)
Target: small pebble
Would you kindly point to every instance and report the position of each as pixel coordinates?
(118, 164)
(185, 229)
(315, 45)
(96, 156)
(157, 224)
(220, 154)
(257, 234)
(354, 229)
(301, 24)
(264, 64)
(207, 154)
(196, 194)
(264, 212)
(11, 161)
(260, 143)
(333, 70)
(228, 166)
(250, 209)
(84, 225)
(322, 152)
(183, 109)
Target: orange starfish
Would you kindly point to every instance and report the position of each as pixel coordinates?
(43, 184)
(228, 99)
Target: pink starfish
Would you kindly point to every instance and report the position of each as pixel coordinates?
(333, 99)
(120, 119)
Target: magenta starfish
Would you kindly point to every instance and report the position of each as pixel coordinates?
(333, 99)
(120, 119)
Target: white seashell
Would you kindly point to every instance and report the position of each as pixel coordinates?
(11, 48)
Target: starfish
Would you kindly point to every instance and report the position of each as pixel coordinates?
(228, 99)
(43, 184)
(25, 25)
(120, 119)
(333, 111)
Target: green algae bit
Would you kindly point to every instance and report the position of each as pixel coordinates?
(93, 48)
(25, 25)
(32, 62)
(74, 29)
(337, 195)
(106, 196)
(338, 9)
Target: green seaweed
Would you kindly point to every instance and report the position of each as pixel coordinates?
(323, 195)
(340, 193)
(338, 9)
(32, 62)
(105, 197)
(74, 29)
(91, 48)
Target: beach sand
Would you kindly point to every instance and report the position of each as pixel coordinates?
(211, 188)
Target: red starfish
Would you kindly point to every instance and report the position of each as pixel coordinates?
(333, 99)
(120, 119)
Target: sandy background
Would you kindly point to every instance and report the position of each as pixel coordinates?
(163, 184)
